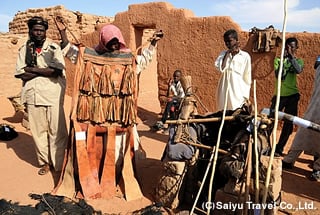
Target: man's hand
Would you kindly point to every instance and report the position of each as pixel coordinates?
(290, 52)
(57, 73)
(58, 20)
(45, 72)
(28, 75)
(157, 35)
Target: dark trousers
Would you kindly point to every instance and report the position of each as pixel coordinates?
(179, 151)
(170, 110)
(289, 105)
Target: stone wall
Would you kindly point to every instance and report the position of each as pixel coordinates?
(82, 26)
(190, 44)
(78, 23)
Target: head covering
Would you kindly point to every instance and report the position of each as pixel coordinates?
(37, 20)
(107, 33)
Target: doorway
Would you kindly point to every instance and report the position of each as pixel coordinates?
(148, 100)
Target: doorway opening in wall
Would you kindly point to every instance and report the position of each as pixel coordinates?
(148, 101)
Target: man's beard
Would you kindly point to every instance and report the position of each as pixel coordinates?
(38, 40)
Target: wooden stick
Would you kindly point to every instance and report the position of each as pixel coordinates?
(215, 157)
(248, 175)
(257, 187)
(212, 161)
(60, 19)
(215, 119)
(267, 181)
(202, 182)
(212, 119)
(204, 146)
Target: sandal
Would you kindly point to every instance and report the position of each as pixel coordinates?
(44, 169)
(158, 126)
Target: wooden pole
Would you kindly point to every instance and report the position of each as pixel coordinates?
(215, 158)
(267, 181)
(212, 119)
(204, 146)
(262, 118)
(248, 176)
(214, 154)
(202, 182)
(257, 186)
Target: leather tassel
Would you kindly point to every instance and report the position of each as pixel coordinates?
(83, 108)
(85, 80)
(97, 113)
(104, 85)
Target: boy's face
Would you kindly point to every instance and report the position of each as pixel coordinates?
(176, 77)
(292, 47)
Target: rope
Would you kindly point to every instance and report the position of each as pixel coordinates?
(202, 105)
(45, 201)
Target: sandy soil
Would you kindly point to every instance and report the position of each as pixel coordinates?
(18, 166)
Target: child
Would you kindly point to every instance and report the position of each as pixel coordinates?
(175, 95)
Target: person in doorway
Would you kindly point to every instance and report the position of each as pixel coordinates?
(40, 65)
(234, 64)
(289, 92)
(175, 94)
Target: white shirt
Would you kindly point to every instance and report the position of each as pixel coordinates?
(236, 79)
(177, 90)
(43, 90)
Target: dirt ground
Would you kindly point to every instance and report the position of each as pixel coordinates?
(18, 166)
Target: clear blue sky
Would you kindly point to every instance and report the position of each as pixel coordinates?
(302, 15)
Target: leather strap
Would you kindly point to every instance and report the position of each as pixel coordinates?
(92, 150)
(89, 183)
(131, 187)
(108, 178)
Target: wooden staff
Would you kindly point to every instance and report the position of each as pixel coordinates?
(267, 181)
(60, 19)
(257, 185)
(202, 182)
(248, 176)
(212, 161)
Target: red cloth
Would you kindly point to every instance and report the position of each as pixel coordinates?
(38, 50)
(107, 33)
